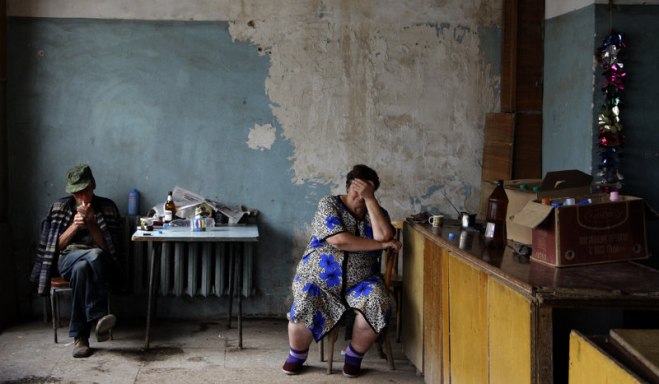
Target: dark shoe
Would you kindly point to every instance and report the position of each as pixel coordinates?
(103, 327)
(292, 368)
(350, 370)
(81, 348)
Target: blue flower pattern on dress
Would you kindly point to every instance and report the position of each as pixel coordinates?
(332, 222)
(318, 322)
(332, 277)
(368, 231)
(312, 289)
(306, 258)
(332, 269)
(327, 262)
(291, 315)
(362, 289)
(315, 243)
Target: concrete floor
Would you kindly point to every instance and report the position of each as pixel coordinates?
(181, 352)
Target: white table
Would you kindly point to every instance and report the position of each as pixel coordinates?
(243, 235)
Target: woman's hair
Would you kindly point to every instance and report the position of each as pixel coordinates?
(361, 171)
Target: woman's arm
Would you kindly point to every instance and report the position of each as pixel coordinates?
(382, 228)
(351, 243)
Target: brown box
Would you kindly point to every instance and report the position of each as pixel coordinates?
(519, 193)
(599, 232)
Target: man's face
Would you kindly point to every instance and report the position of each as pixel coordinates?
(84, 196)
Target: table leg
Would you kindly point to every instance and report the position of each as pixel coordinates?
(155, 254)
(232, 278)
(240, 295)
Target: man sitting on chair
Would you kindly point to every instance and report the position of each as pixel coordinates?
(83, 229)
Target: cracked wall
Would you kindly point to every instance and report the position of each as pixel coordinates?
(276, 101)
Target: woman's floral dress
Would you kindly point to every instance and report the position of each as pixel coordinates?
(328, 281)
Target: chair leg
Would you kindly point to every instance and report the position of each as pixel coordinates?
(332, 336)
(54, 313)
(399, 320)
(390, 353)
(321, 350)
(111, 337)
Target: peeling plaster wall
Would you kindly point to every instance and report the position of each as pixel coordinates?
(402, 86)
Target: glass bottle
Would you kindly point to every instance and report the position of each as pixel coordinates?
(169, 208)
(495, 219)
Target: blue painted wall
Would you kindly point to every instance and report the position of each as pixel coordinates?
(568, 91)
(572, 102)
(149, 105)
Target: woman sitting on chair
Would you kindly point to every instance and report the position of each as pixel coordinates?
(339, 272)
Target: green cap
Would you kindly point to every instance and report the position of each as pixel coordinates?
(78, 178)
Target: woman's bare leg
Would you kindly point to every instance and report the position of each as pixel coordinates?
(363, 335)
(299, 336)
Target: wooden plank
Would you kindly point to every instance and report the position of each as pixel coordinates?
(498, 146)
(509, 315)
(590, 364)
(642, 345)
(529, 55)
(468, 319)
(527, 156)
(509, 57)
(497, 152)
(445, 315)
(432, 350)
(412, 332)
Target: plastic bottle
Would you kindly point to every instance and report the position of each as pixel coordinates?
(495, 229)
(133, 202)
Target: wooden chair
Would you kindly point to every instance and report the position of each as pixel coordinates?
(393, 284)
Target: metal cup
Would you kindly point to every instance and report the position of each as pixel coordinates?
(467, 220)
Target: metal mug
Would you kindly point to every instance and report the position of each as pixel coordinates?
(467, 220)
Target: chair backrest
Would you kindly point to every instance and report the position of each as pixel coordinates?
(391, 258)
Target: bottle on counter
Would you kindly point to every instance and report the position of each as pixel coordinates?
(169, 208)
(495, 219)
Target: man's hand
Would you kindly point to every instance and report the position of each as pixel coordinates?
(84, 216)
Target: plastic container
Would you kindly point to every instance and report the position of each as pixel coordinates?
(133, 202)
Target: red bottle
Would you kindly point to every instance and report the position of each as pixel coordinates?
(495, 219)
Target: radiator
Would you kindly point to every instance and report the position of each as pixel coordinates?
(189, 269)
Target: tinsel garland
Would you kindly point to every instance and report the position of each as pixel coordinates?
(610, 136)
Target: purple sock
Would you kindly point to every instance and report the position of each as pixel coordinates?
(297, 357)
(353, 357)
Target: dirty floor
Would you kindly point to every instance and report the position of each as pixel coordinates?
(181, 352)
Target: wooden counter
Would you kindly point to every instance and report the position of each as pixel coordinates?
(475, 315)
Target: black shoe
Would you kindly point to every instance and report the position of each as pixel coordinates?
(350, 370)
(103, 327)
(81, 348)
(292, 368)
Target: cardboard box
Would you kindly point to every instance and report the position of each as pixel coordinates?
(600, 232)
(519, 193)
